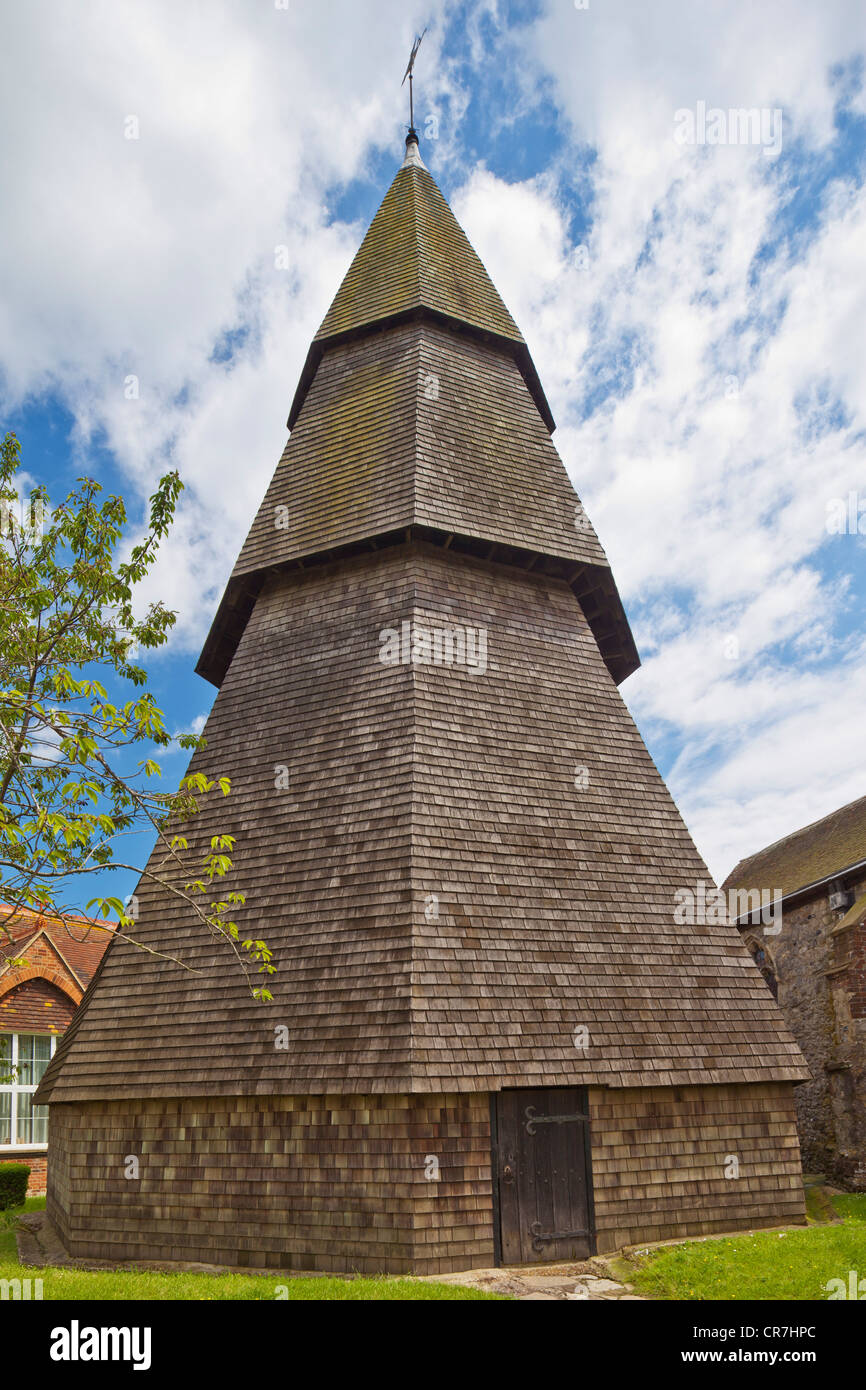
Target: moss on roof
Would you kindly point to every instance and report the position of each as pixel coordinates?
(816, 852)
(414, 255)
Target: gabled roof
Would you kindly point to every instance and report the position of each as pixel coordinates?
(809, 856)
(79, 941)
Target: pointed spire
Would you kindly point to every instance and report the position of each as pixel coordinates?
(413, 154)
(417, 305)
(416, 260)
(416, 255)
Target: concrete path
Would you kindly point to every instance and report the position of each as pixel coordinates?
(585, 1282)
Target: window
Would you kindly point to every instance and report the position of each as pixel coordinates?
(764, 964)
(23, 1059)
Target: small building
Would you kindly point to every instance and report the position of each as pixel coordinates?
(37, 1001)
(812, 954)
(492, 1036)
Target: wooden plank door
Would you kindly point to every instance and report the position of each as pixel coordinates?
(544, 1178)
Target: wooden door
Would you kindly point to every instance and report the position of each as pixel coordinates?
(541, 1155)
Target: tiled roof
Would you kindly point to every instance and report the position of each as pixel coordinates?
(79, 941)
(816, 852)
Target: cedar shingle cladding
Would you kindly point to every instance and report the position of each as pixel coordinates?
(419, 406)
(337, 1182)
(374, 452)
(556, 905)
(416, 254)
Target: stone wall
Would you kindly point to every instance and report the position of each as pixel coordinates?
(821, 978)
(338, 1183)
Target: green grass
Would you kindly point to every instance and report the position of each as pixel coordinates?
(795, 1264)
(146, 1284)
(792, 1265)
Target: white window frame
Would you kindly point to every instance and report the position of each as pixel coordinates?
(16, 1089)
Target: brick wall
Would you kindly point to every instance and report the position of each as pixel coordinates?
(37, 1164)
(337, 1183)
(42, 962)
(36, 1006)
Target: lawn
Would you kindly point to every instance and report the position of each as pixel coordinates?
(146, 1284)
(794, 1264)
(790, 1265)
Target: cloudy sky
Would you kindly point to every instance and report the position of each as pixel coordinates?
(695, 308)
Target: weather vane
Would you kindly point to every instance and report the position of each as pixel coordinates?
(410, 74)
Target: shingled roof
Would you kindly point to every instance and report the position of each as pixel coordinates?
(416, 254)
(818, 852)
(413, 415)
(469, 877)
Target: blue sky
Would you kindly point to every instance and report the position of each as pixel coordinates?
(695, 313)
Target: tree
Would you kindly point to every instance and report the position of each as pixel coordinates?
(71, 789)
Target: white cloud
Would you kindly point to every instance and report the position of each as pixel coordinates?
(137, 256)
(710, 500)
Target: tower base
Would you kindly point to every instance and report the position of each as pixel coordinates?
(419, 1184)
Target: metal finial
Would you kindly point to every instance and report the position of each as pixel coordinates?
(410, 74)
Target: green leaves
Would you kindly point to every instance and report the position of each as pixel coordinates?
(106, 906)
(71, 791)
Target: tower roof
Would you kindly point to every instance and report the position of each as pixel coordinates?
(459, 849)
(419, 409)
(417, 260)
(415, 255)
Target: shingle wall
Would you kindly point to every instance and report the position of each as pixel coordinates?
(338, 1183)
(319, 1183)
(662, 1161)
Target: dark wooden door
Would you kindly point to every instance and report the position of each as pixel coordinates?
(544, 1179)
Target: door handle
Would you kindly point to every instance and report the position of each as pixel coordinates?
(508, 1173)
